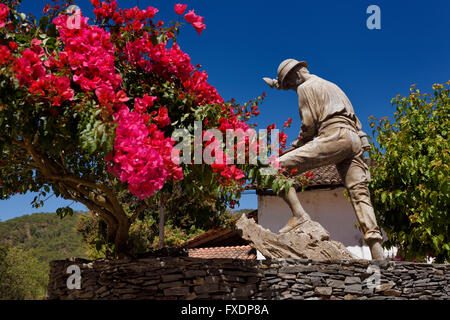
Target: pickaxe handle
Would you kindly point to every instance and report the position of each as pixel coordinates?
(287, 150)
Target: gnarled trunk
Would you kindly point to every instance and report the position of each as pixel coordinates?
(99, 197)
(121, 240)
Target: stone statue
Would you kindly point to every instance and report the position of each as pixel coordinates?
(330, 134)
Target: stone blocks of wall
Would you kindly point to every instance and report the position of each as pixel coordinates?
(171, 278)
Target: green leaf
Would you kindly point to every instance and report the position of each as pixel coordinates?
(276, 185)
(266, 180)
(64, 212)
(384, 196)
(251, 173)
(436, 241)
(288, 185)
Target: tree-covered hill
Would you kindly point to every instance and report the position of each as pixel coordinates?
(45, 235)
(27, 245)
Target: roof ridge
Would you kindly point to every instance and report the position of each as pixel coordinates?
(218, 247)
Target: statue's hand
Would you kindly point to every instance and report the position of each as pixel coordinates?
(271, 82)
(365, 144)
(364, 141)
(297, 143)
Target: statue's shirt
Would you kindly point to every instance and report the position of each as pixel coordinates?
(321, 103)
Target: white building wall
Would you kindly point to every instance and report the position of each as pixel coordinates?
(329, 207)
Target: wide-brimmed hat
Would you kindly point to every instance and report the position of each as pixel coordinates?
(286, 66)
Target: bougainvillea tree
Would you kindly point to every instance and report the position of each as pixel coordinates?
(88, 108)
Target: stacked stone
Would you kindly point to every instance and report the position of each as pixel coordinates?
(170, 278)
(353, 280)
(157, 278)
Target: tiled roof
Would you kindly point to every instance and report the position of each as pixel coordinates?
(215, 237)
(329, 176)
(234, 252)
(325, 176)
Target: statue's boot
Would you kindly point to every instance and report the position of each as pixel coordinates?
(301, 219)
(299, 214)
(376, 249)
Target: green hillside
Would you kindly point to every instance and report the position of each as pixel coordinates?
(27, 245)
(44, 234)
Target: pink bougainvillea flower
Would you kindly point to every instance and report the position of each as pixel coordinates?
(150, 12)
(36, 47)
(95, 3)
(46, 9)
(29, 67)
(141, 105)
(287, 123)
(4, 12)
(137, 25)
(13, 45)
(191, 17)
(121, 96)
(282, 138)
(195, 20)
(180, 8)
(106, 10)
(149, 100)
(5, 55)
(162, 119)
(56, 89)
(309, 175)
(143, 157)
(90, 54)
(199, 26)
(105, 95)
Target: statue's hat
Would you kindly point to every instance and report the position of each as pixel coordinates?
(286, 66)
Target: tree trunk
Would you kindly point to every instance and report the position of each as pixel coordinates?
(111, 231)
(121, 240)
(162, 218)
(98, 197)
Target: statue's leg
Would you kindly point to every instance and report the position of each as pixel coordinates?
(360, 199)
(356, 176)
(324, 149)
(299, 214)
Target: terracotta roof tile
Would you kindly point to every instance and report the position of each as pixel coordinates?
(329, 176)
(326, 175)
(206, 237)
(323, 176)
(234, 252)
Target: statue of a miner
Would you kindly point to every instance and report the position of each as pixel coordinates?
(330, 134)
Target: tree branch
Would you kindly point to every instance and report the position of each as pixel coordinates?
(96, 196)
(109, 219)
(137, 212)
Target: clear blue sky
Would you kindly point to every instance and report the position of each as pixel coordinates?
(246, 40)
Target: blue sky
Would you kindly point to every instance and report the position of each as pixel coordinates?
(246, 40)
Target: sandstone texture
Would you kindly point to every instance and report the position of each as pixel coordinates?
(307, 241)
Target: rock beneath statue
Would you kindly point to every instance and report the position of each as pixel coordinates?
(308, 240)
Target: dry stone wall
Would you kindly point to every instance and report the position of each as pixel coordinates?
(170, 278)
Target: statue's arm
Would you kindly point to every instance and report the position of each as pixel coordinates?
(363, 136)
(307, 130)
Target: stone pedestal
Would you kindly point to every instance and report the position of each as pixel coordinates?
(307, 241)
